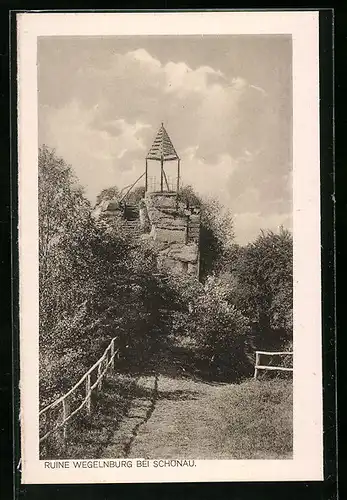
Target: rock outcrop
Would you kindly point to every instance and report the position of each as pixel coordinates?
(175, 231)
(169, 226)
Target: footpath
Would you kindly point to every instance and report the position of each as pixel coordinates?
(170, 418)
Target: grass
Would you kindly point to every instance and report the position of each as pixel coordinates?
(191, 419)
(88, 435)
(252, 420)
(256, 419)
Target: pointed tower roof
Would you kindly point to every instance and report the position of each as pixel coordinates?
(162, 147)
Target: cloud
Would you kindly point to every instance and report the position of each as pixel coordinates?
(206, 178)
(176, 78)
(114, 156)
(258, 88)
(103, 115)
(142, 56)
(182, 80)
(248, 224)
(202, 105)
(254, 205)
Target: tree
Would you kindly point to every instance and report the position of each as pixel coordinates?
(188, 196)
(96, 281)
(219, 331)
(135, 195)
(216, 231)
(107, 194)
(263, 287)
(63, 221)
(82, 269)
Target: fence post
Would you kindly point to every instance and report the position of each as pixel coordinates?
(256, 365)
(88, 395)
(62, 427)
(112, 354)
(99, 386)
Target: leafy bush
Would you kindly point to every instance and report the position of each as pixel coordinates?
(107, 194)
(262, 288)
(96, 282)
(216, 330)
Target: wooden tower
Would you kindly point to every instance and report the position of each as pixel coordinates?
(163, 151)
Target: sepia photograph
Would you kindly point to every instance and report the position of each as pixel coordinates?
(166, 283)
(165, 206)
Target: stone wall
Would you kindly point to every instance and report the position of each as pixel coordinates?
(171, 228)
(175, 231)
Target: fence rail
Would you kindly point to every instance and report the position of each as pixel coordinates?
(258, 366)
(61, 406)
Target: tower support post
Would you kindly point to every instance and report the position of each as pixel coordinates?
(146, 180)
(178, 174)
(161, 175)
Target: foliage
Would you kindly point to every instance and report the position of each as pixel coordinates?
(89, 274)
(64, 221)
(113, 193)
(97, 281)
(107, 194)
(71, 275)
(216, 232)
(262, 287)
(135, 195)
(216, 235)
(89, 435)
(188, 196)
(216, 330)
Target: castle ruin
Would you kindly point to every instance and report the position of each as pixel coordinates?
(162, 217)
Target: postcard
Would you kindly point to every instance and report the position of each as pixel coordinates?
(169, 247)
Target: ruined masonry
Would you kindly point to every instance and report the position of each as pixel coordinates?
(175, 229)
(167, 223)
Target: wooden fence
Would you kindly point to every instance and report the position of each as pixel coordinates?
(259, 366)
(63, 409)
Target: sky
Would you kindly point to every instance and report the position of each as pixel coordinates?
(225, 101)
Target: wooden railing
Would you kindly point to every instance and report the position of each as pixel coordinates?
(80, 396)
(258, 366)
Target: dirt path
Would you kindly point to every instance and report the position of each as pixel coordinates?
(180, 422)
(176, 418)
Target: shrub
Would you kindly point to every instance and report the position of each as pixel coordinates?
(216, 231)
(218, 331)
(262, 288)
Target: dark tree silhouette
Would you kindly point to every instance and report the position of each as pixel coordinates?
(263, 287)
